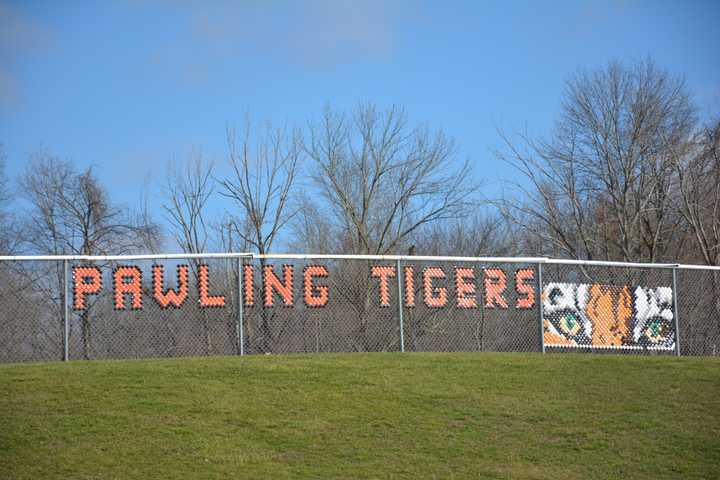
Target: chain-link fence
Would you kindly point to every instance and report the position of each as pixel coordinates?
(235, 304)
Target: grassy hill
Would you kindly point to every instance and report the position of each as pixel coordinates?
(362, 416)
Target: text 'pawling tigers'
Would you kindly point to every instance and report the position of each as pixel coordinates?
(438, 287)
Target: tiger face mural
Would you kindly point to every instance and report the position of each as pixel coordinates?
(608, 316)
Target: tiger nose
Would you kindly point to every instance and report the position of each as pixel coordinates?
(609, 312)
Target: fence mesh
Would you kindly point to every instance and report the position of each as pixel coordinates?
(149, 329)
(231, 306)
(482, 310)
(332, 307)
(699, 311)
(31, 323)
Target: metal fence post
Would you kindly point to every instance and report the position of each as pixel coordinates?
(400, 307)
(66, 330)
(239, 330)
(541, 320)
(675, 311)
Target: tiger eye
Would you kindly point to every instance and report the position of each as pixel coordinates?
(569, 323)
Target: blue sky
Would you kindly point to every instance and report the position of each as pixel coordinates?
(127, 85)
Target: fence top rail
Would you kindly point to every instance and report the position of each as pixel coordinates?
(545, 260)
(326, 256)
(109, 258)
(603, 263)
(429, 258)
(699, 267)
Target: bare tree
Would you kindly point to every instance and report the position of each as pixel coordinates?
(383, 179)
(9, 228)
(20, 313)
(264, 170)
(71, 213)
(481, 234)
(698, 204)
(698, 171)
(187, 192)
(261, 184)
(313, 231)
(599, 188)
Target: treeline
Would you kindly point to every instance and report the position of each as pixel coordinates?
(628, 173)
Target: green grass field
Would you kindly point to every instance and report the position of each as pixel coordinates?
(363, 416)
